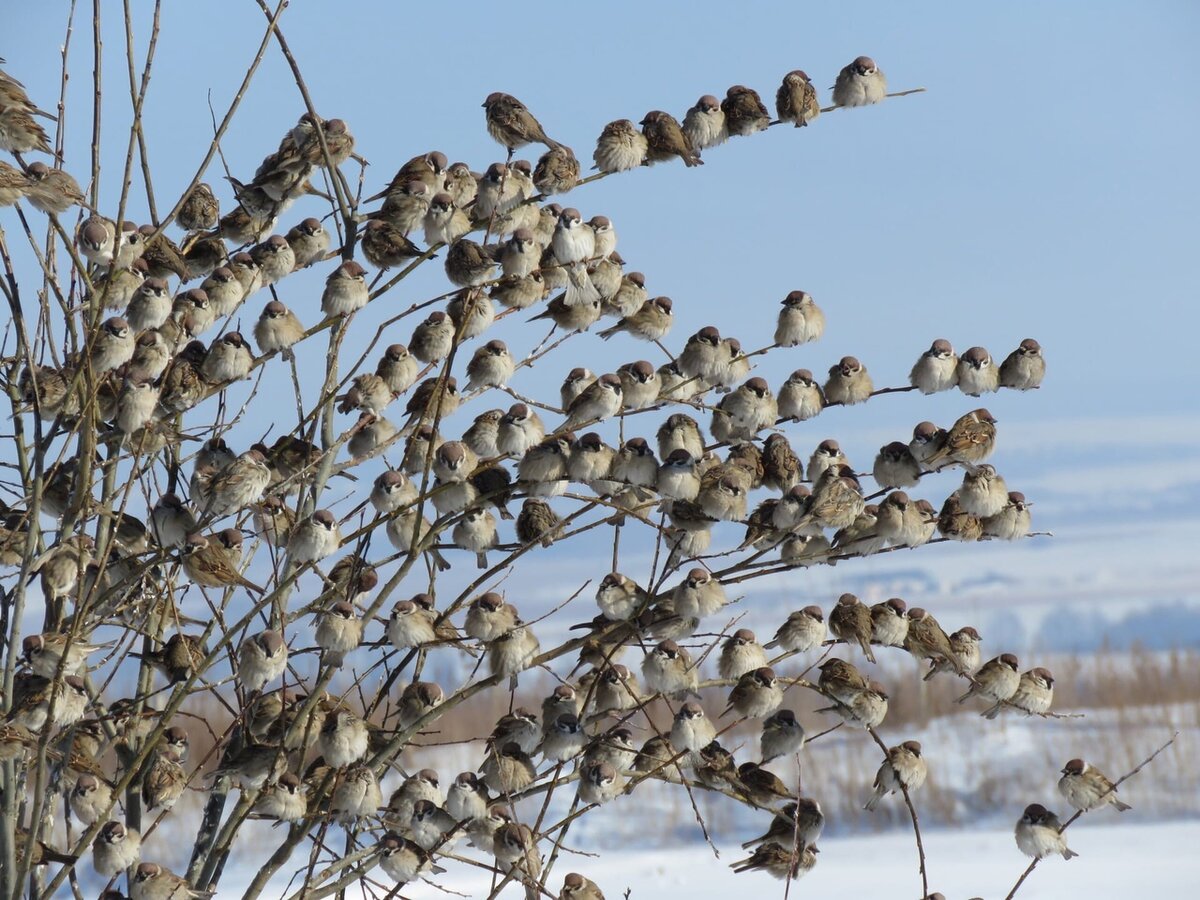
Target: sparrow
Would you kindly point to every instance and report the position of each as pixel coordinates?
(573, 240)
(309, 242)
(996, 680)
(468, 264)
(339, 631)
(936, 369)
(889, 622)
(1024, 368)
(507, 769)
(417, 700)
(179, 659)
(564, 739)
(848, 383)
(691, 729)
(370, 433)
(740, 653)
(51, 191)
(983, 492)
(112, 346)
(385, 246)
(239, 484)
(261, 659)
(1012, 522)
(223, 291)
(744, 111)
(895, 466)
(149, 306)
(850, 621)
(228, 359)
(723, 499)
(866, 708)
(557, 171)
(405, 206)
(467, 798)
(668, 669)
(489, 617)
(512, 653)
(900, 522)
(744, 412)
(517, 292)
(761, 787)
(246, 272)
(665, 139)
(860, 83)
(433, 339)
(164, 781)
(343, 739)
(520, 255)
(782, 735)
(678, 477)
(800, 823)
(460, 184)
(90, 798)
(403, 860)
(640, 385)
(444, 223)
(1086, 788)
(620, 147)
(154, 882)
(803, 630)
(150, 357)
(511, 124)
(1039, 834)
(431, 826)
(590, 462)
(927, 640)
(976, 373)
(45, 652)
(756, 695)
(796, 99)
(955, 524)
(800, 320)
(115, 849)
(476, 533)
(704, 123)
(579, 887)
(732, 365)
(800, 397)
(778, 862)
(275, 258)
(283, 801)
(598, 401)
(630, 296)
(840, 680)
(277, 329)
(314, 538)
(1033, 696)
(970, 440)
(368, 393)
(704, 355)
(95, 237)
(515, 849)
(345, 290)
(406, 536)
(599, 783)
(357, 795)
(903, 768)
(965, 644)
(397, 368)
(651, 322)
(213, 560)
(199, 210)
(619, 598)
(432, 399)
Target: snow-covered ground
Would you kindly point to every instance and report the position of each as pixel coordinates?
(1116, 860)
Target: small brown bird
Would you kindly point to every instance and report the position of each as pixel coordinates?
(848, 383)
(52, 191)
(861, 83)
(965, 644)
(904, 768)
(801, 397)
(385, 246)
(996, 680)
(620, 147)
(179, 659)
(757, 694)
(557, 171)
(1033, 696)
(538, 522)
(970, 440)
(977, 373)
(957, 524)
(665, 140)
(1024, 368)
(761, 787)
(213, 560)
(1039, 834)
(1012, 522)
(651, 322)
(778, 862)
(927, 640)
(1086, 788)
(850, 621)
(511, 124)
(744, 111)
(796, 99)
(840, 680)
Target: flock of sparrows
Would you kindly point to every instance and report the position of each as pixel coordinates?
(311, 757)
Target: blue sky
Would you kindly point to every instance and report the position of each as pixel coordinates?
(1040, 188)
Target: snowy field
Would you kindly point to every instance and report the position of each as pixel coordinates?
(1116, 860)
